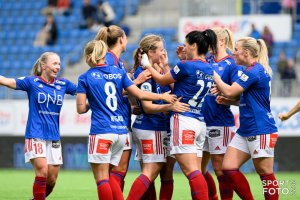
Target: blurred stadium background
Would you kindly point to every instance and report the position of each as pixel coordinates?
(20, 21)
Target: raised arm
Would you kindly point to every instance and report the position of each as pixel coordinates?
(287, 115)
(177, 106)
(81, 104)
(142, 77)
(225, 101)
(162, 80)
(144, 95)
(230, 91)
(8, 82)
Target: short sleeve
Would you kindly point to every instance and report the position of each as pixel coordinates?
(137, 72)
(126, 80)
(178, 72)
(247, 79)
(147, 86)
(23, 83)
(235, 72)
(71, 88)
(81, 88)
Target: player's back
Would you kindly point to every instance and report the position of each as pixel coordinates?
(193, 80)
(103, 86)
(218, 114)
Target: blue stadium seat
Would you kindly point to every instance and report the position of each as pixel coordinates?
(169, 34)
(297, 27)
(279, 45)
(271, 7)
(20, 22)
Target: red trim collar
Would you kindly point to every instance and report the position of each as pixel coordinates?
(228, 56)
(202, 60)
(100, 65)
(47, 81)
(251, 66)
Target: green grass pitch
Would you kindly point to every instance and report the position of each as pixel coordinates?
(80, 185)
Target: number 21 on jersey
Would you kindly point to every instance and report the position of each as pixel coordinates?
(193, 101)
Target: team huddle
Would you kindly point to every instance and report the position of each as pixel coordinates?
(182, 114)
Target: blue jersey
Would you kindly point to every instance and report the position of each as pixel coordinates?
(112, 60)
(103, 86)
(255, 112)
(217, 114)
(193, 80)
(45, 102)
(145, 121)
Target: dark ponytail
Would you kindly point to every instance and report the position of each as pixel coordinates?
(211, 37)
(204, 40)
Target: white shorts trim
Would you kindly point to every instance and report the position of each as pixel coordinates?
(38, 148)
(151, 146)
(258, 146)
(218, 138)
(187, 135)
(106, 148)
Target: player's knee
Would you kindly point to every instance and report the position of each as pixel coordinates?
(151, 175)
(217, 168)
(122, 167)
(264, 170)
(51, 180)
(42, 173)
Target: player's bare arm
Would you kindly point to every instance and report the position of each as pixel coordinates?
(81, 104)
(8, 82)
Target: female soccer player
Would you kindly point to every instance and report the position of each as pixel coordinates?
(166, 173)
(257, 134)
(42, 137)
(116, 40)
(102, 86)
(219, 119)
(151, 126)
(192, 79)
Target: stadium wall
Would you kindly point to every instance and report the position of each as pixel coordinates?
(239, 25)
(75, 154)
(75, 128)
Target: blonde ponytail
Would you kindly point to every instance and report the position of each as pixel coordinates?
(110, 35)
(257, 49)
(263, 58)
(226, 34)
(95, 51)
(229, 40)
